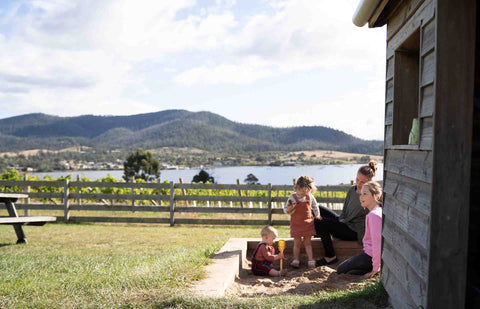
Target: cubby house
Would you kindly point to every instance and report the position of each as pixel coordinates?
(431, 224)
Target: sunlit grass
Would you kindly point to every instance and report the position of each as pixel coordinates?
(126, 266)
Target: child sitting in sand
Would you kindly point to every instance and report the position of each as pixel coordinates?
(299, 206)
(264, 254)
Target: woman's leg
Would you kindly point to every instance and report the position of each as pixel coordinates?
(327, 212)
(359, 264)
(327, 227)
(308, 247)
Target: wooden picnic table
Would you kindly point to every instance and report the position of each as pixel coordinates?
(9, 200)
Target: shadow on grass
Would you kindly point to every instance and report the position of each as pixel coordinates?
(373, 296)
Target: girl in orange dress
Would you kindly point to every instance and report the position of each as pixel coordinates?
(300, 206)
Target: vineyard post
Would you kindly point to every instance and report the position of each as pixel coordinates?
(172, 203)
(78, 191)
(240, 193)
(184, 192)
(27, 200)
(269, 204)
(66, 205)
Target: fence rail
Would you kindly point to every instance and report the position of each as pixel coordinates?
(173, 198)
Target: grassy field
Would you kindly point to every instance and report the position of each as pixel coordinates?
(133, 266)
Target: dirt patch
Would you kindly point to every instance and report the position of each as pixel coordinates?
(301, 281)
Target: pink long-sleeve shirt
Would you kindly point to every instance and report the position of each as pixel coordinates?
(372, 241)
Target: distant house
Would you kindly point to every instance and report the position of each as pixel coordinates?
(431, 226)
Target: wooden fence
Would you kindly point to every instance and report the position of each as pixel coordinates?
(173, 198)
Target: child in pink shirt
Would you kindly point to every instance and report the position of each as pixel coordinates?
(368, 262)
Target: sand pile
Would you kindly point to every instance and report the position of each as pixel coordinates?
(301, 281)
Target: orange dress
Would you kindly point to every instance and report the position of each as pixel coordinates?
(301, 220)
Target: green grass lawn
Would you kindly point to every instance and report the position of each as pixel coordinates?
(132, 266)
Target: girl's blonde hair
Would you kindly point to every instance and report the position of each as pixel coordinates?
(369, 170)
(269, 230)
(376, 190)
(306, 182)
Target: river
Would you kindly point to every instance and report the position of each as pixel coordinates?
(276, 175)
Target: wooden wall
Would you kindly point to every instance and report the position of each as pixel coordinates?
(408, 168)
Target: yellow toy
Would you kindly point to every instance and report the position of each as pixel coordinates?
(281, 247)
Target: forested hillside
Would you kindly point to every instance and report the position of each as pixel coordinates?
(170, 128)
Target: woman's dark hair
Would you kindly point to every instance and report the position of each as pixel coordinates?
(369, 170)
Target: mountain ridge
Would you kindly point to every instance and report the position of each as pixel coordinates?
(172, 128)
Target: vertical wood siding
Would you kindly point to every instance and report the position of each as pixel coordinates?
(408, 172)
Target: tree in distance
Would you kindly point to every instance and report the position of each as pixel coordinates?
(141, 164)
(251, 180)
(203, 176)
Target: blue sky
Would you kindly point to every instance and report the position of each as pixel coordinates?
(278, 63)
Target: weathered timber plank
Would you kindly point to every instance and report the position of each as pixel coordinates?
(409, 220)
(221, 221)
(454, 95)
(389, 69)
(37, 206)
(395, 262)
(426, 133)
(35, 183)
(106, 196)
(222, 210)
(389, 113)
(396, 212)
(221, 186)
(398, 31)
(45, 195)
(255, 199)
(427, 101)
(413, 253)
(119, 219)
(428, 69)
(428, 37)
(98, 184)
(417, 288)
(413, 164)
(339, 188)
(389, 91)
(397, 295)
(411, 192)
(388, 136)
(90, 207)
(26, 220)
(319, 199)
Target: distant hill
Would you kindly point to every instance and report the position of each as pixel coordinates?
(173, 128)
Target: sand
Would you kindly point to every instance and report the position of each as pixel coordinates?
(302, 281)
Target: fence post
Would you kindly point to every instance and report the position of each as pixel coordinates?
(66, 204)
(240, 193)
(172, 203)
(78, 191)
(27, 200)
(269, 204)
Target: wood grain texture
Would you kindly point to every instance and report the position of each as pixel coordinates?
(397, 32)
(389, 113)
(454, 92)
(413, 164)
(427, 101)
(426, 133)
(428, 37)
(428, 69)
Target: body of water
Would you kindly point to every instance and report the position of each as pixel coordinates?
(276, 175)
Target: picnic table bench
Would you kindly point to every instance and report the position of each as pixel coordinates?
(9, 200)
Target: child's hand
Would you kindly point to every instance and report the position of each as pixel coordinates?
(290, 208)
(318, 217)
(280, 256)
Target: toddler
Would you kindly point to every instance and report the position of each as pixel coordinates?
(264, 254)
(300, 205)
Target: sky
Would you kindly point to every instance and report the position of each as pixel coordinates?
(277, 63)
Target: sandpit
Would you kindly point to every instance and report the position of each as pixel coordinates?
(302, 281)
(229, 274)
